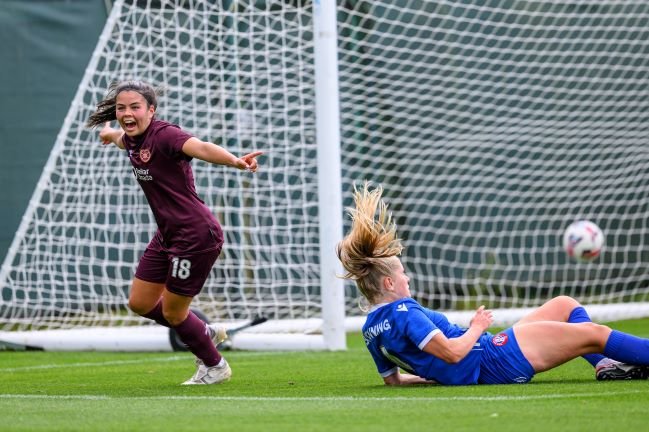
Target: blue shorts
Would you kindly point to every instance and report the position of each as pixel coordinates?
(502, 361)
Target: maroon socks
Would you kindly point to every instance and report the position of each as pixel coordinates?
(193, 332)
(155, 314)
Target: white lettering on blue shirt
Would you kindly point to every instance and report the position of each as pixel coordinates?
(376, 330)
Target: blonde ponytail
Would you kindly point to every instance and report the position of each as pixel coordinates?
(366, 251)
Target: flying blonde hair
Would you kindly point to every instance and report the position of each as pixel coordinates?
(366, 252)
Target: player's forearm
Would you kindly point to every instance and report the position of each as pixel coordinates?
(109, 135)
(455, 349)
(209, 152)
(463, 345)
(408, 379)
(116, 138)
(220, 156)
(405, 379)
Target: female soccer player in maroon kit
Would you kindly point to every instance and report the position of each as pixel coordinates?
(188, 241)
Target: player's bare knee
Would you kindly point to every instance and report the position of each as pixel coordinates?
(137, 307)
(568, 302)
(603, 331)
(599, 333)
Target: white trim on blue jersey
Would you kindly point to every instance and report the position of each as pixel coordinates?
(395, 334)
(427, 339)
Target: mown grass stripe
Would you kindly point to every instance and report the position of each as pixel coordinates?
(330, 398)
(134, 361)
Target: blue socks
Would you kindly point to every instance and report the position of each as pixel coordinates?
(620, 346)
(579, 315)
(627, 348)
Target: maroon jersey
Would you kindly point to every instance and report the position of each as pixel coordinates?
(164, 172)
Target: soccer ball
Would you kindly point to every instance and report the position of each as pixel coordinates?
(583, 240)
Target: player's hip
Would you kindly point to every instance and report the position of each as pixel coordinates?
(502, 361)
(188, 239)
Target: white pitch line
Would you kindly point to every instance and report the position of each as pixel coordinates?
(95, 364)
(324, 398)
(239, 354)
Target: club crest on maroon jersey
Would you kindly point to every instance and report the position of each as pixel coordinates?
(500, 339)
(145, 155)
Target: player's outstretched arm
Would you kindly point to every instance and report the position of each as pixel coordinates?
(109, 135)
(215, 154)
(399, 378)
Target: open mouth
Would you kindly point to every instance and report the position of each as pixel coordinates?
(129, 125)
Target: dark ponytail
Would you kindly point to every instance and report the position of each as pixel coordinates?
(105, 111)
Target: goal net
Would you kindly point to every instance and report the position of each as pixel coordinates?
(492, 125)
(495, 124)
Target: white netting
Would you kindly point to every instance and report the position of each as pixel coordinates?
(491, 124)
(237, 74)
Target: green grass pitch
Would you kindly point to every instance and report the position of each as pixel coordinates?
(305, 391)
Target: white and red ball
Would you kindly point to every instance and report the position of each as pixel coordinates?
(583, 240)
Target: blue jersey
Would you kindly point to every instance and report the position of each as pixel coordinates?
(395, 334)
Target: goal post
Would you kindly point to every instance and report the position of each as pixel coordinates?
(327, 112)
(491, 126)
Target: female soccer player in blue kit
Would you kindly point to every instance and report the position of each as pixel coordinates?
(178, 260)
(402, 335)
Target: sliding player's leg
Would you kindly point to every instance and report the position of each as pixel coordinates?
(563, 309)
(557, 309)
(547, 344)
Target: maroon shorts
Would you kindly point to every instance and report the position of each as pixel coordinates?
(183, 274)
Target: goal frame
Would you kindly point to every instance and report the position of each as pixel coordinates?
(326, 333)
(491, 128)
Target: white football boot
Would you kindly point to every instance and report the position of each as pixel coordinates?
(218, 333)
(210, 375)
(608, 370)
